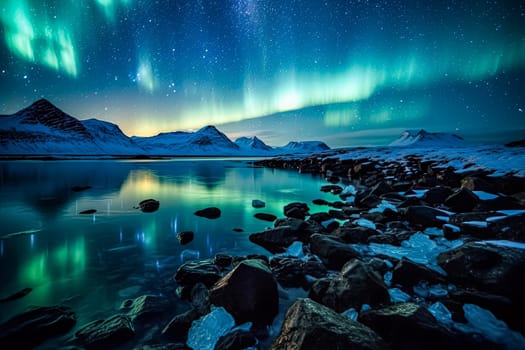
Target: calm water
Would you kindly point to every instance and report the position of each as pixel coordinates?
(94, 262)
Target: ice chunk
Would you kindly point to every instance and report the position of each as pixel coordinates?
(441, 313)
(398, 296)
(365, 223)
(454, 228)
(480, 224)
(365, 307)
(503, 243)
(442, 218)
(425, 290)
(295, 249)
(388, 278)
(511, 212)
(348, 190)
(351, 314)
(434, 231)
(206, 331)
(327, 222)
(437, 291)
(485, 323)
(382, 206)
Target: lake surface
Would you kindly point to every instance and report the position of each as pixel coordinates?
(94, 262)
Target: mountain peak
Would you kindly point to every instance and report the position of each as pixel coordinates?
(423, 138)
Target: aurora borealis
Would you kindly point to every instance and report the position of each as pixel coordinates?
(326, 69)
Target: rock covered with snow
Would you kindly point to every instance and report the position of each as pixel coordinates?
(422, 138)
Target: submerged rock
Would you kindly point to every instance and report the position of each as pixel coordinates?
(108, 333)
(88, 211)
(30, 328)
(248, 292)
(265, 217)
(185, 237)
(311, 326)
(209, 213)
(296, 210)
(20, 294)
(257, 203)
(144, 307)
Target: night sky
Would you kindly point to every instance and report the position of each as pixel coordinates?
(342, 71)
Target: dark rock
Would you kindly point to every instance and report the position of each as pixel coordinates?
(478, 184)
(237, 229)
(458, 219)
(178, 327)
(410, 202)
(386, 238)
(437, 195)
(192, 272)
(500, 203)
(256, 203)
(510, 228)
(296, 210)
(88, 211)
(292, 272)
(209, 213)
(381, 188)
(109, 333)
(411, 326)
(320, 202)
(336, 204)
(265, 217)
(462, 200)
(223, 260)
(276, 240)
(349, 234)
(366, 200)
(144, 307)
(451, 232)
(80, 188)
(333, 253)
(409, 273)
(401, 186)
(168, 346)
(200, 298)
(20, 294)
(30, 328)
(519, 143)
(248, 293)
(185, 237)
(338, 214)
(149, 205)
(335, 189)
(425, 216)
(311, 326)
(490, 268)
(357, 284)
(320, 217)
(237, 340)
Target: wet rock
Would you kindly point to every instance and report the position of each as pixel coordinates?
(144, 307)
(236, 340)
(20, 294)
(409, 273)
(490, 268)
(209, 213)
(293, 272)
(286, 231)
(200, 298)
(356, 284)
(296, 210)
(237, 229)
(223, 260)
(511, 228)
(425, 216)
(332, 252)
(265, 217)
(463, 200)
(335, 189)
(411, 326)
(168, 346)
(192, 272)
(437, 195)
(366, 200)
(458, 219)
(108, 333)
(185, 237)
(320, 217)
(149, 205)
(248, 293)
(257, 203)
(309, 325)
(178, 327)
(30, 328)
(349, 234)
(80, 188)
(320, 202)
(478, 184)
(88, 211)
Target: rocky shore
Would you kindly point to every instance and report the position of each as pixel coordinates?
(410, 254)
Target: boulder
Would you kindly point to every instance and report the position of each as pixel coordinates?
(356, 284)
(408, 273)
(209, 213)
(510, 228)
(30, 328)
(425, 216)
(222, 260)
(265, 217)
(257, 203)
(351, 234)
(462, 200)
(178, 327)
(248, 293)
(332, 252)
(437, 195)
(335, 189)
(411, 326)
(296, 210)
(149, 205)
(311, 326)
(276, 240)
(320, 217)
(491, 268)
(168, 346)
(185, 237)
(193, 272)
(105, 334)
(236, 340)
(293, 272)
(366, 200)
(144, 307)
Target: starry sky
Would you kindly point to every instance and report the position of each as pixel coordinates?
(347, 72)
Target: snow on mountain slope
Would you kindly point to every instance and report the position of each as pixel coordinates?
(109, 138)
(303, 147)
(422, 138)
(253, 145)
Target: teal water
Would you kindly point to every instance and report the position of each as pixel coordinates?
(94, 262)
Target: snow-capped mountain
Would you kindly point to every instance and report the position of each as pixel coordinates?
(422, 138)
(303, 147)
(252, 143)
(43, 129)
(206, 141)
